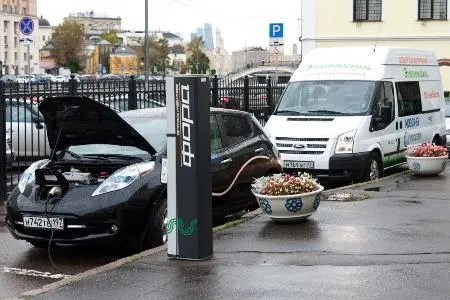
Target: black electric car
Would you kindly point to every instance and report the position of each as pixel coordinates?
(103, 183)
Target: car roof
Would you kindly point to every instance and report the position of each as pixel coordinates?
(161, 112)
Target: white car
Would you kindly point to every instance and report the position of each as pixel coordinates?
(27, 129)
(60, 78)
(10, 155)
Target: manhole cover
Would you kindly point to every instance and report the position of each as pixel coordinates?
(344, 197)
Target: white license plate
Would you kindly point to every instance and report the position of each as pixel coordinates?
(43, 222)
(290, 164)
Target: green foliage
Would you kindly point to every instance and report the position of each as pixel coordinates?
(68, 46)
(197, 59)
(111, 36)
(158, 55)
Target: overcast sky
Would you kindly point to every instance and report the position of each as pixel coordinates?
(243, 23)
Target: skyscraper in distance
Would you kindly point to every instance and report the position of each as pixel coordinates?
(208, 36)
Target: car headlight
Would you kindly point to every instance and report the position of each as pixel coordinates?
(345, 142)
(124, 177)
(28, 175)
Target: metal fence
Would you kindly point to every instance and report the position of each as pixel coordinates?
(23, 130)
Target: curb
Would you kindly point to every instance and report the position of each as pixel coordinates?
(115, 264)
(352, 186)
(2, 214)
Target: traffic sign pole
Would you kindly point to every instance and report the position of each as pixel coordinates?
(26, 27)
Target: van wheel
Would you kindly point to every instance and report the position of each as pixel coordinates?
(157, 231)
(374, 169)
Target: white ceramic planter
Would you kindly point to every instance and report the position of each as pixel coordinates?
(290, 208)
(427, 166)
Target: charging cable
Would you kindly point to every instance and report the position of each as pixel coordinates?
(239, 173)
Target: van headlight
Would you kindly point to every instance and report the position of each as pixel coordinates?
(28, 176)
(124, 177)
(345, 142)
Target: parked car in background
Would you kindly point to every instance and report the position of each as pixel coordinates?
(60, 78)
(41, 79)
(27, 129)
(87, 78)
(10, 155)
(9, 78)
(107, 183)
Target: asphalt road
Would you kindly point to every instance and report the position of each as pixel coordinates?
(23, 267)
(393, 245)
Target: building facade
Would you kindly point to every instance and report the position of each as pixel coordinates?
(248, 58)
(414, 23)
(45, 32)
(13, 55)
(95, 23)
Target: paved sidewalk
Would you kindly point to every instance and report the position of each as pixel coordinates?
(395, 244)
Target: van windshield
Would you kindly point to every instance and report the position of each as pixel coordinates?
(327, 97)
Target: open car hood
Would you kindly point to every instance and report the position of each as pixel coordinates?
(84, 121)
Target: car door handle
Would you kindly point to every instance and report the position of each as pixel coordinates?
(259, 150)
(226, 161)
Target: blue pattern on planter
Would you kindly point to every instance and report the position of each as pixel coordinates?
(293, 205)
(265, 206)
(316, 202)
(416, 166)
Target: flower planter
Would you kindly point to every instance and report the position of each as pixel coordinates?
(427, 166)
(290, 208)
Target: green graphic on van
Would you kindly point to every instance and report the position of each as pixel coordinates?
(394, 159)
(186, 231)
(414, 73)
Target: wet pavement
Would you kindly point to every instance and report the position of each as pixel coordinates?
(393, 244)
(23, 267)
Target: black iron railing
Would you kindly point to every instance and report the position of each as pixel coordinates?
(22, 124)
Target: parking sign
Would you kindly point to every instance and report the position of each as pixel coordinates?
(276, 30)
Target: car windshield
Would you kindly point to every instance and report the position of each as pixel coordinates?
(153, 129)
(327, 97)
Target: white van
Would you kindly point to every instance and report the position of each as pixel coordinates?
(349, 113)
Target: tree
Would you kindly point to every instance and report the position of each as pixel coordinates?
(158, 54)
(111, 36)
(197, 59)
(68, 46)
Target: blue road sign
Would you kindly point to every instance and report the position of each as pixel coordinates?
(26, 25)
(276, 30)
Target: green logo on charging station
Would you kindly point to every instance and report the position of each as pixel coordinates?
(186, 231)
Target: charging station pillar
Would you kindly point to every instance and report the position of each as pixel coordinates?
(189, 185)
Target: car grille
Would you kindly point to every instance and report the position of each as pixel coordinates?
(307, 146)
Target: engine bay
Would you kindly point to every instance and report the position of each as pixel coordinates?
(58, 177)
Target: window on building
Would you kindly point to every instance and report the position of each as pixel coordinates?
(31, 56)
(5, 8)
(15, 56)
(432, 9)
(14, 9)
(24, 56)
(43, 38)
(24, 10)
(409, 98)
(367, 10)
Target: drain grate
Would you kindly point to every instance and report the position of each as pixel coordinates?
(344, 197)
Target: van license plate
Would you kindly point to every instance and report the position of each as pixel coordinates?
(43, 222)
(289, 164)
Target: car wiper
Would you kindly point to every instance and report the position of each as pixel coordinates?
(288, 112)
(324, 111)
(106, 156)
(73, 154)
